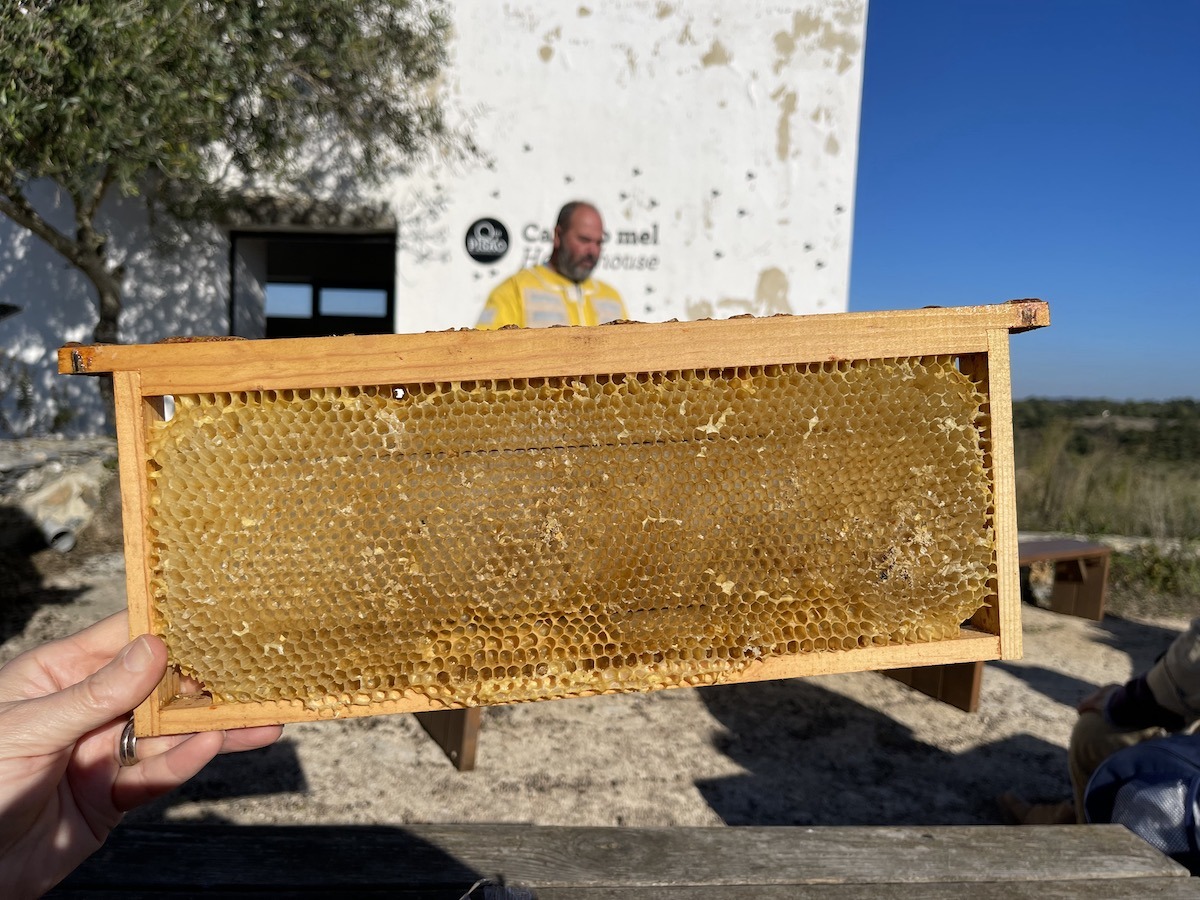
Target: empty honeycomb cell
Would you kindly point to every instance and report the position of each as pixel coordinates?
(484, 542)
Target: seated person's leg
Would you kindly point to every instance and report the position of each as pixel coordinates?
(1093, 740)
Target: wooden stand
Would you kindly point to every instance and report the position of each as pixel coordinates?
(957, 684)
(1080, 574)
(977, 337)
(456, 731)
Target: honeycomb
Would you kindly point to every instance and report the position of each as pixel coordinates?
(510, 540)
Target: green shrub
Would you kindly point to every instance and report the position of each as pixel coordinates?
(1131, 470)
(1149, 581)
(1167, 572)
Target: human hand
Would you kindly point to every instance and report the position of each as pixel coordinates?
(1096, 700)
(63, 707)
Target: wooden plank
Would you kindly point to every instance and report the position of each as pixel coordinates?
(133, 414)
(188, 715)
(437, 857)
(1004, 491)
(961, 685)
(969, 646)
(206, 366)
(1090, 889)
(1139, 889)
(1093, 889)
(456, 731)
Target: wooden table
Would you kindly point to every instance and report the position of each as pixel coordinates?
(1080, 588)
(580, 863)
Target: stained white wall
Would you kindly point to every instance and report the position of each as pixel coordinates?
(719, 141)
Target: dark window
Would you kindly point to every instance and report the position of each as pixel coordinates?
(325, 284)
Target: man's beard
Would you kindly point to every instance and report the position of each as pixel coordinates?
(575, 269)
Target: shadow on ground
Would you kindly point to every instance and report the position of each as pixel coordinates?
(23, 589)
(814, 757)
(272, 770)
(1141, 642)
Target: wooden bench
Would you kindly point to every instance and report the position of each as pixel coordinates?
(1080, 588)
(556, 863)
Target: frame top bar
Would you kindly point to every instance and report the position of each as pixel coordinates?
(223, 364)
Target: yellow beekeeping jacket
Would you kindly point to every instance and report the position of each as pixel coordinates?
(539, 297)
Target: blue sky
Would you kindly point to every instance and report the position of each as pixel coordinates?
(1040, 148)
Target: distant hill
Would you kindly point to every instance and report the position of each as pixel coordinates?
(1167, 430)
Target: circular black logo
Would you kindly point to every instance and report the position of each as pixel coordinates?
(487, 240)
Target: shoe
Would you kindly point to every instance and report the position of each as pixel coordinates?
(1017, 811)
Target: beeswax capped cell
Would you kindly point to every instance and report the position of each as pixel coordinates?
(502, 541)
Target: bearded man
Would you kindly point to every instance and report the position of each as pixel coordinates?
(561, 291)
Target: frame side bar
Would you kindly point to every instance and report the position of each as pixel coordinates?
(132, 412)
(1004, 491)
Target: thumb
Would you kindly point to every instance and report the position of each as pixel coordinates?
(56, 721)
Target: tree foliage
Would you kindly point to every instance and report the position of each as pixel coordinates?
(188, 102)
(1167, 430)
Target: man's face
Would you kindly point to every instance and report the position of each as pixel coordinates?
(577, 247)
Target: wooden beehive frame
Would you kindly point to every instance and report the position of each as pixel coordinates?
(143, 375)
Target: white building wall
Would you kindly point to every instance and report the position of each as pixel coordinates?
(719, 141)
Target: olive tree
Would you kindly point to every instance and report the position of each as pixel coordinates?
(187, 104)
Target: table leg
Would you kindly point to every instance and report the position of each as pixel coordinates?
(1079, 587)
(956, 683)
(456, 731)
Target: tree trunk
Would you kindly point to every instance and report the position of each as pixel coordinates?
(109, 306)
(107, 283)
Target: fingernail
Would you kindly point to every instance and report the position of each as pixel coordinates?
(138, 656)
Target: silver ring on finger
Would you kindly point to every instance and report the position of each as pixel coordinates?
(127, 747)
